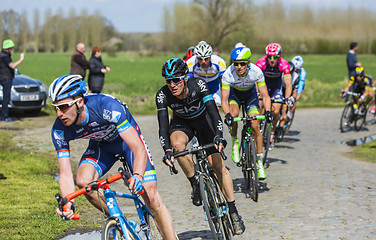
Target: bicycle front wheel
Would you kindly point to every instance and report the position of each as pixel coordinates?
(346, 118)
(266, 142)
(360, 118)
(211, 208)
(111, 230)
(252, 170)
(371, 113)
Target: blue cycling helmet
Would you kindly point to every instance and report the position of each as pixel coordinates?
(66, 86)
(174, 67)
(241, 54)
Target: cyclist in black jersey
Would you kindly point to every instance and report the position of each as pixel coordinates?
(194, 114)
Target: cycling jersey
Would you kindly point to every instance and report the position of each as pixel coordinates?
(274, 75)
(243, 88)
(197, 105)
(212, 76)
(106, 117)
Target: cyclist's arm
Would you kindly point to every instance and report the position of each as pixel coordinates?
(301, 84)
(163, 121)
(213, 112)
(66, 184)
(265, 96)
(133, 141)
(225, 96)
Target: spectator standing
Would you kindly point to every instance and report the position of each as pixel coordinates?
(96, 70)
(351, 59)
(79, 63)
(7, 67)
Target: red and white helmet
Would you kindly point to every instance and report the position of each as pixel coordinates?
(273, 49)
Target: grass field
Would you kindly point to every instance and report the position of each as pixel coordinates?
(135, 79)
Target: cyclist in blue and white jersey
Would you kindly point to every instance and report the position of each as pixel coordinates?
(208, 67)
(111, 130)
(239, 85)
(302, 75)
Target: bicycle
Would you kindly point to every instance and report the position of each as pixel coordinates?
(248, 158)
(266, 130)
(371, 111)
(214, 203)
(351, 115)
(117, 226)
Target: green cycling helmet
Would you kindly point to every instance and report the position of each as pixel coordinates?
(8, 44)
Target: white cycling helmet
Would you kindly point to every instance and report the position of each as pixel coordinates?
(239, 44)
(66, 86)
(203, 50)
(297, 61)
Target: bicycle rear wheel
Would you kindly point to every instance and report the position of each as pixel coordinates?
(249, 168)
(111, 230)
(371, 113)
(223, 209)
(360, 118)
(153, 230)
(266, 142)
(346, 118)
(211, 208)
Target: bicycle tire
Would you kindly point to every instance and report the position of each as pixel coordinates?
(287, 129)
(224, 214)
(371, 113)
(360, 118)
(111, 227)
(210, 206)
(346, 118)
(266, 143)
(252, 170)
(153, 229)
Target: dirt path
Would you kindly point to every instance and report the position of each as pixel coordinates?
(313, 190)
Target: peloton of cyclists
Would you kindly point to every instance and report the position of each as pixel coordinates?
(360, 83)
(194, 114)
(239, 85)
(208, 67)
(276, 69)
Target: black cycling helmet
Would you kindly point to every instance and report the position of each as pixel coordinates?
(359, 71)
(174, 67)
(292, 67)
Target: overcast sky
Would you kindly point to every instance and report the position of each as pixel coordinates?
(146, 15)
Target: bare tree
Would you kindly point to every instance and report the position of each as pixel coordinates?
(36, 31)
(71, 30)
(47, 32)
(59, 30)
(24, 31)
(11, 24)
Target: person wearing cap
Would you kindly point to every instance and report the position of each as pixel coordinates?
(7, 67)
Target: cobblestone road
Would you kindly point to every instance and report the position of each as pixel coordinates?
(313, 190)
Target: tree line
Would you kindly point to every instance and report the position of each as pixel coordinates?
(221, 23)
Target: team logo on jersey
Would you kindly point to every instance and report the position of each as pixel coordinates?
(220, 125)
(160, 97)
(59, 134)
(162, 140)
(190, 109)
(89, 152)
(93, 124)
(79, 130)
(107, 115)
(202, 85)
(194, 93)
(115, 116)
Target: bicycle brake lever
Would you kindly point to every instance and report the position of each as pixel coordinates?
(223, 155)
(173, 170)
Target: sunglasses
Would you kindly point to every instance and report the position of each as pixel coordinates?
(240, 63)
(64, 106)
(175, 80)
(273, 56)
(202, 59)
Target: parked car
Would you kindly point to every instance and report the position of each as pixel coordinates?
(27, 94)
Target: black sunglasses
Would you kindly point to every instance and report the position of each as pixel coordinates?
(240, 63)
(175, 80)
(273, 56)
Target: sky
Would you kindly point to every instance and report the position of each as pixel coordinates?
(129, 16)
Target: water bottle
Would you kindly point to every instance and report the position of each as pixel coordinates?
(138, 230)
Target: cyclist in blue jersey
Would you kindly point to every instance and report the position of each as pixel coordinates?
(111, 130)
(194, 114)
(208, 67)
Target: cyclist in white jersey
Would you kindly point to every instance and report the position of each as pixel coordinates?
(239, 85)
(208, 67)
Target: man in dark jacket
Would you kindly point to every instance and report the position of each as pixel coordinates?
(351, 59)
(79, 63)
(7, 67)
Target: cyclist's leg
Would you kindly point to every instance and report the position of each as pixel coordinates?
(215, 89)
(94, 163)
(151, 196)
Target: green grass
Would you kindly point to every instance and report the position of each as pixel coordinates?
(135, 79)
(366, 152)
(27, 203)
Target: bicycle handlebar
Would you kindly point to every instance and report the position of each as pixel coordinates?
(248, 118)
(195, 150)
(95, 185)
(351, 93)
